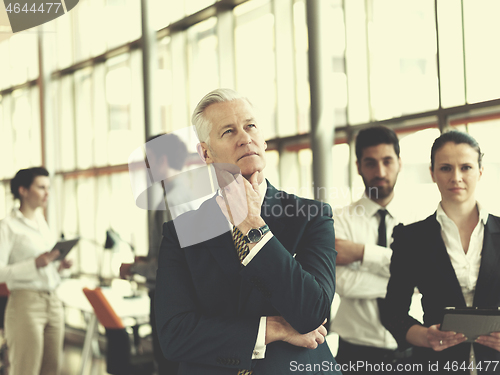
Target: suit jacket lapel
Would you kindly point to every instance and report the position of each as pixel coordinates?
(487, 286)
(272, 210)
(446, 273)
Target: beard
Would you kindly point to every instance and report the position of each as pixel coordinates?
(378, 192)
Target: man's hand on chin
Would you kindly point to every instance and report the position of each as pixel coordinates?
(241, 200)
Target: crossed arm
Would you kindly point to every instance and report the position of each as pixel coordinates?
(362, 269)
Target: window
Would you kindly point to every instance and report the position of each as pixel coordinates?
(6, 199)
(451, 53)
(65, 115)
(164, 87)
(357, 62)
(202, 61)
(23, 53)
(486, 134)
(83, 117)
(25, 124)
(123, 21)
(5, 79)
(64, 39)
(166, 12)
(481, 58)
(272, 167)
(301, 67)
(100, 25)
(7, 138)
(403, 74)
(255, 61)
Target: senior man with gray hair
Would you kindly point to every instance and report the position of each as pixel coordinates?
(252, 300)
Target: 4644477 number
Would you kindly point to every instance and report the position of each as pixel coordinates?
(43, 7)
(479, 366)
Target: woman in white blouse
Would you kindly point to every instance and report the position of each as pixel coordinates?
(453, 258)
(34, 320)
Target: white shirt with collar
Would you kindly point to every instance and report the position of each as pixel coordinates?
(466, 266)
(360, 283)
(22, 240)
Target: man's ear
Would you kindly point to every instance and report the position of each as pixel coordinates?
(358, 166)
(432, 174)
(202, 150)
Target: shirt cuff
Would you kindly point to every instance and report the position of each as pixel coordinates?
(260, 346)
(255, 250)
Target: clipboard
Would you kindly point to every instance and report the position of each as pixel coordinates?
(471, 321)
(64, 246)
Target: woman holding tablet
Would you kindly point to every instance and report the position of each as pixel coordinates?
(34, 320)
(453, 258)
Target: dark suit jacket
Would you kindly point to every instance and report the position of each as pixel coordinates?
(208, 306)
(420, 259)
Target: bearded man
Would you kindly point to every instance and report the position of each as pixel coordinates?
(362, 232)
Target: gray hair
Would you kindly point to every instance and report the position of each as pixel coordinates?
(200, 122)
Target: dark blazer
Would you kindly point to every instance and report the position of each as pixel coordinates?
(208, 306)
(420, 259)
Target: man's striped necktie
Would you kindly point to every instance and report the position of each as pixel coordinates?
(242, 250)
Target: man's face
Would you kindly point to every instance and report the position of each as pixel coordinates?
(379, 167)
(235, 137)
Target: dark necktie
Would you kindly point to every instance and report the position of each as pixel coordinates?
(382, 241)
(382, 231)
(242, 250)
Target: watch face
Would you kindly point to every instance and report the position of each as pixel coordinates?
(254, 235)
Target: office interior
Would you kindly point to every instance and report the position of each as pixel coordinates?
(81, 93)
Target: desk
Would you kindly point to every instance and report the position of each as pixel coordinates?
(71, 294)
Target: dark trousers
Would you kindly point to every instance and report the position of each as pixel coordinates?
(165, 367)
(359, 359)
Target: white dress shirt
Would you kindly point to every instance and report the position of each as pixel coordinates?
(360, 283)
(21, 241)
(466, 265)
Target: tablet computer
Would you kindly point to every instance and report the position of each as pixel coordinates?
(471, 321)
(64, 246)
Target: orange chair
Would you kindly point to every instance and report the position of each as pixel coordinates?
(4, 292)
(119, 360)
